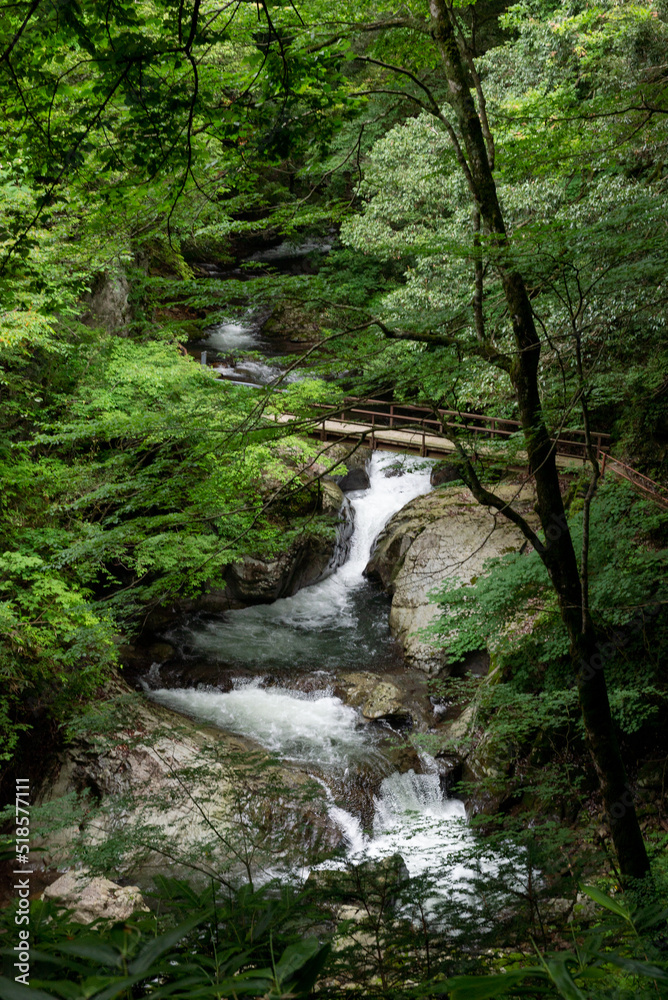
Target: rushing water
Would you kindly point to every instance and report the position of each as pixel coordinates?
(229, 337)
(316, 729)
(339, 622)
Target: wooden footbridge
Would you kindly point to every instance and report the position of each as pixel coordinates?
(423, 431)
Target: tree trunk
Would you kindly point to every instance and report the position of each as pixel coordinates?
(558, 553)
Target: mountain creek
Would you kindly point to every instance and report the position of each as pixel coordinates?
(288, 717)
(304, 726)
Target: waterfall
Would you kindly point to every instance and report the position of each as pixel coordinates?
(340, 621)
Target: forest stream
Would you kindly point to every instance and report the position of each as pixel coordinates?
(283, 658)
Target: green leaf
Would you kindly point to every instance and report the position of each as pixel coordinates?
(10, 990)
(488, 987)
(294, 957)
(101, 953)
(563, 980)
(604, 900)
(159, 946)
(637, 968)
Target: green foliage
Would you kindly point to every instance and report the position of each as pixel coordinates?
(616, 959)
(130, 475)
(210, 944)
(526, 734)
(527, 639)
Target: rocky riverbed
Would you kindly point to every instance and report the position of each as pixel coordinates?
(298, 705)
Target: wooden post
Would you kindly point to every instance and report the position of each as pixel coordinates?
(603, 463)
(391, 414)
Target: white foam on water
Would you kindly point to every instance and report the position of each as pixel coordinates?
(291, 626)
(412, 816)
(314, 728)
(232, 337)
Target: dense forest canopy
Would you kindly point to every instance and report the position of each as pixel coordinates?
(490, 180)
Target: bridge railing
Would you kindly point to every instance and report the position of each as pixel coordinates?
(380, 413)
(647, 487)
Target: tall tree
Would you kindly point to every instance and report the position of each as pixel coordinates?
(556, 550)
(462, 111)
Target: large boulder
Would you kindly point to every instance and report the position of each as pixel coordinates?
(108, 303)
(157, 785)
(440, 535)
(356, 479)
(399, 697)
(449, 470)
(257, 579)
(91, 898)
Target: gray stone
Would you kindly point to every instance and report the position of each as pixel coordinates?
(385, 699)
(401, 697)
(91, 898)
(153, 771)
(356, 479)
(108, 304)
(438, 536)
(160, 652)
(585, 910)
(332, 495)
(447, 471)
(255, 580)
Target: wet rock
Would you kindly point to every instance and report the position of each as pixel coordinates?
(450, 772)
(459, 727)
(257, 580)
(486, 770)
(585, 910)
(385, 699)
(434, 537)
(397, 699)
(353, 456)
(188, 783)
(160, 652)
(332, 495)
(402, 755)
(375, 698)
(447, 471)
(356, 479)
(91, 898)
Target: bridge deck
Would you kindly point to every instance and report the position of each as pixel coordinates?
(428, 445)
(433, 445)
(422, 442)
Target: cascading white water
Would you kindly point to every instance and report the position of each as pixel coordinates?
(319, 627)
(258, 373)
(226, 337)
(311, 729)
(326, 625)
(412, 819)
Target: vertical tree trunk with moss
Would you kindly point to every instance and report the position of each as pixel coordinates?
(558, 552)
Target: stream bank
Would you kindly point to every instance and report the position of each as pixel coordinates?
(315, 685)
